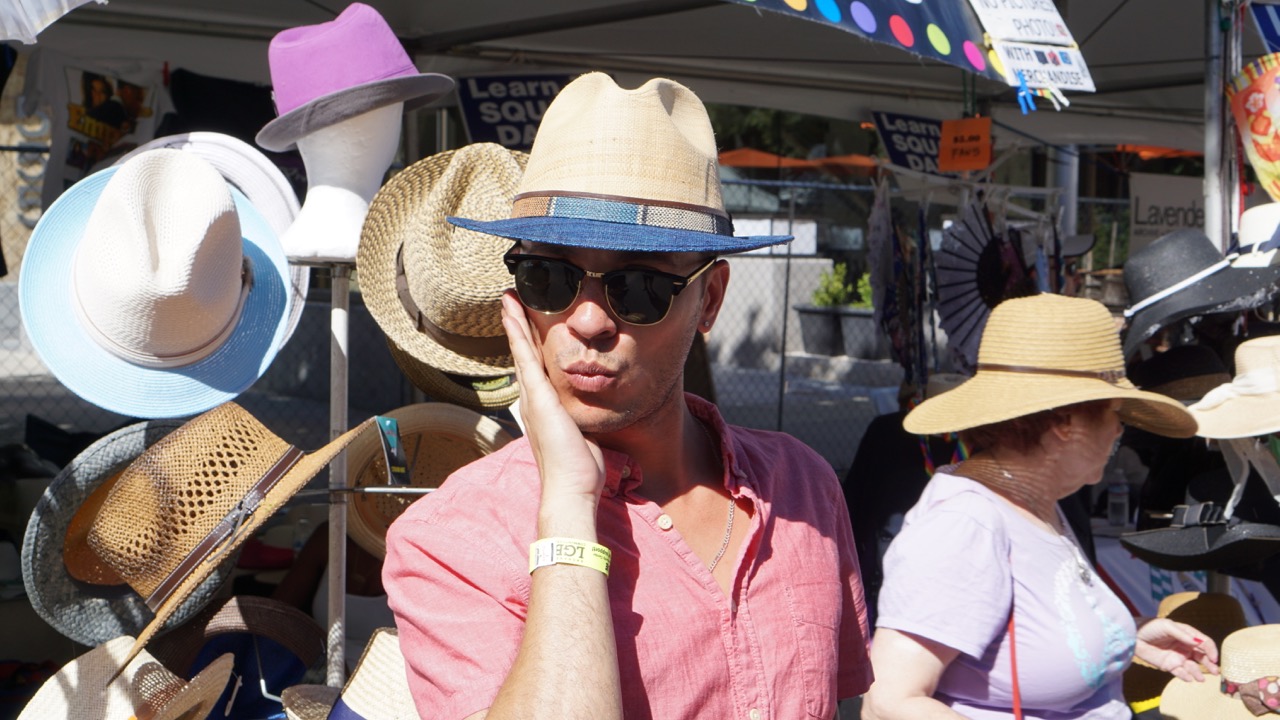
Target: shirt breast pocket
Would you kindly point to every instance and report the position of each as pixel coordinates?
(815, 620)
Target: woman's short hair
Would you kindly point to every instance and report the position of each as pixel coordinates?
(1023, 433)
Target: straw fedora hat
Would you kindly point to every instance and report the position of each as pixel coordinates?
(437, 438)
(1249, 404)
(333, 71)
(154, 289)
(377, 690)
(436, 289)
(1214, 614)
(630, 170)
(67, 583)
(1258, 228)
(246, 169)
(1043, 352)
(1248, 686)
(1183, 274)
(94, 687)
(193, 498)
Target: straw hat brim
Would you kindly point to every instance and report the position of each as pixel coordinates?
(480, 393)
(309, 702)
(290, 483)
(1216, 614)
(252, 173)
(437, 438)
(1183, 700)
(1228, 290)
(76, 691)
(284, 624)
(282, 134)
(1204, 547)
(106, 379)
(622, 237)
(381, 241)
(1240, 416)
(993, 396)
(93, 614)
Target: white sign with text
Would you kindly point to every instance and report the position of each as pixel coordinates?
(1033, 21)
(1044, 66)
(1160, 204)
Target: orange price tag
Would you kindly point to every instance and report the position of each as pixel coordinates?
(965, 144)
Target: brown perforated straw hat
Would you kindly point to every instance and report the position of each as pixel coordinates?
(194, 497)
(110, 683)
(1044, 352)
(437, 438)
(436, 289)
(379, 687)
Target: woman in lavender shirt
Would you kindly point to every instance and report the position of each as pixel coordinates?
(986, 556)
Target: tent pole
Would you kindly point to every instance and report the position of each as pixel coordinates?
(1215, 190)
(336, 668)
(1067, 178)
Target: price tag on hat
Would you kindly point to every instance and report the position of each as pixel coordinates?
(393, 451)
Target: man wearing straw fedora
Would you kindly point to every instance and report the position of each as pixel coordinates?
(633, 555)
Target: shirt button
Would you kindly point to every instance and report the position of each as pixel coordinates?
(665, 522)
(626, 472)
(754, 714)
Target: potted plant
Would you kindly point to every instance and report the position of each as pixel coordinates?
(820, 324)
(861, 334)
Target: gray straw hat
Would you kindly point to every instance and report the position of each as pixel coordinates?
(69, 586)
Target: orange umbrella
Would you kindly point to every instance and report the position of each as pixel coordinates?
(753, 158)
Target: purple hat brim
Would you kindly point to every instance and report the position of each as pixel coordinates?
(282, 134)
(603, 235)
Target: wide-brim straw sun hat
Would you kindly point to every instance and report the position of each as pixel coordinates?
(195, 497)
(246, 169)
(1248, 685)
(435, 289)
(378, 688)
(94, 687)
(274, 620)
(333, 71)
(437, 438)
(1043, 352)
(1249, 404)
(630, 170)
(1183, 274)
(1217, 615)
(67, 583)
(154, 289)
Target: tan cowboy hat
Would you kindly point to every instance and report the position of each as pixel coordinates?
(436, 289)
(1248, 405)
(1214, 614)
(437, 438)
(1044, 352)
(93, 687)
(194, 497)
(377, 690)
(1248, 687)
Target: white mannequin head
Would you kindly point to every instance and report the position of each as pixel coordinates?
(345, 165)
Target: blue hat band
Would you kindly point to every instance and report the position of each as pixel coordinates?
(624, 211)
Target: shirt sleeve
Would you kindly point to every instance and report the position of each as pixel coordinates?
(947, 576)
(460, 604)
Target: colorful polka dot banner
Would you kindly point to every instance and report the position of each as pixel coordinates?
(943, 30)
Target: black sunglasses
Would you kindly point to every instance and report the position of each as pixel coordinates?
(636, 296)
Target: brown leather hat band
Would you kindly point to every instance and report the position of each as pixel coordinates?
(1111, 376)
(468, 345)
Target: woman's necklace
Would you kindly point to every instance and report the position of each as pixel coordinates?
(1082, 566)
(733, 505)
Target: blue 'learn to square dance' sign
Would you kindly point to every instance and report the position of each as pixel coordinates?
(506, 109)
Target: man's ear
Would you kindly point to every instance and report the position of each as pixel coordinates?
(717, 282)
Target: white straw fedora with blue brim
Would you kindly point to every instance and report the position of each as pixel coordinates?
(625, 170)
(154, 289)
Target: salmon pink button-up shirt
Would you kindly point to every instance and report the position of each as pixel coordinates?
(788, 643)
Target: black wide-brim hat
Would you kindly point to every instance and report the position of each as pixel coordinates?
(1181, 275)
(1200, 540)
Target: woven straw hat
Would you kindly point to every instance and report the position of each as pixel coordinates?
(437, 438)
(333, 71)
(1249, 664)
(246, 169)
(92, 687)
(1258, 227)
(1248, 405)
(285, 624)
(436, 289)
(1214, 614)
(68, 584)
(1043, 352)
(378, 689)
(630, 170)
(193, 498)
(154, 289)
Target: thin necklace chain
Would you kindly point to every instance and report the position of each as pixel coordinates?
(733, 505)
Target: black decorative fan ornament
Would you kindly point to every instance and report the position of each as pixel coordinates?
(975, 269)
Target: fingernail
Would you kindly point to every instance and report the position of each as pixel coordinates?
(1199, 640)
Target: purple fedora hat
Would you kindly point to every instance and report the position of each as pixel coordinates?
(324, 74)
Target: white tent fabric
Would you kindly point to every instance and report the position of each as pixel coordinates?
(1146, 56)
